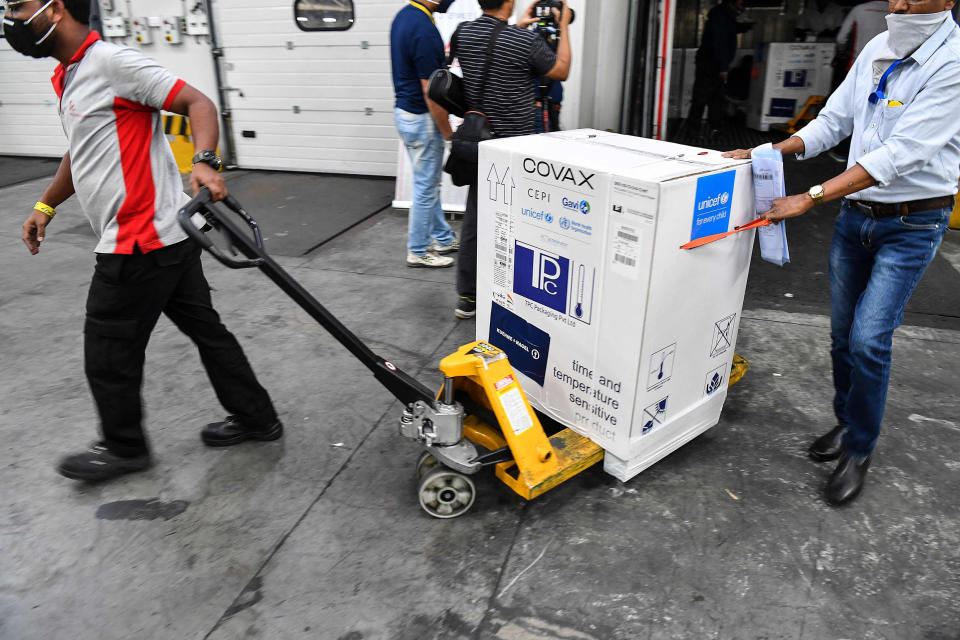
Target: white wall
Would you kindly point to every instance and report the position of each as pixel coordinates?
(29, 120)
(192, 60)
(29, 115)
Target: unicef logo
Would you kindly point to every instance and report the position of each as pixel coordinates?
(584, 207)
(724, 198)
(548, 218)
(564, 223)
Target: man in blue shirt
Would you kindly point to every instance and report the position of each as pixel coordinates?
(416, 51)
(899, 103)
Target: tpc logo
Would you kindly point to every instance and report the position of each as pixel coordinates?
(541, 276)
(576, 205)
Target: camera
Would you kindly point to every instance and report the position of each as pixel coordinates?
(546, 25)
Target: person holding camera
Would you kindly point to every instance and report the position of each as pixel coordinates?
(517, 58)
(416, 51)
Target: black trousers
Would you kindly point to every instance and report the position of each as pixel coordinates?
(708, 91)
(127, 295)
(467, 257)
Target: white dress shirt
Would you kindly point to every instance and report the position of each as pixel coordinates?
(912, 150)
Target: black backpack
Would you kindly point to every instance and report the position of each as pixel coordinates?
(464, 149)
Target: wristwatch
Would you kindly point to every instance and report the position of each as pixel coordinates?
(816, 193)
(209, 158)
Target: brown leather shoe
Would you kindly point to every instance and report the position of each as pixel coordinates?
(829, 446)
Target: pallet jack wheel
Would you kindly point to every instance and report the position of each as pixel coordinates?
(445, 493)
(425, 463)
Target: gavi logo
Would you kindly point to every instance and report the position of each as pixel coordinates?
(576, 205)
(558, 172)
(541, 276)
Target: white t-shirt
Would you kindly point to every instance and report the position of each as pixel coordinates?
(123, 169)
(864, 23)
(813, 19)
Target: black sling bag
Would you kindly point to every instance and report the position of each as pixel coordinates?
(464, 149)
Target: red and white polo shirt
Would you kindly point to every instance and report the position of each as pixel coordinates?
(123, 170)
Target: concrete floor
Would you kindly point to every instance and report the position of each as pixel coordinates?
(319, 535)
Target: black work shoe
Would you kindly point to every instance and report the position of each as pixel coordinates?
(847, 480)
(466, 308)
(829, 446)
(232, 431)
(98, 463)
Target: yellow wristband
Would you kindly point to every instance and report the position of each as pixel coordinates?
(45, 208)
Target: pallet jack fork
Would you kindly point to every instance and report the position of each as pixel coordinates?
(480, 417)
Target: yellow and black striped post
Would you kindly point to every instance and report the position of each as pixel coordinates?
(177, 129)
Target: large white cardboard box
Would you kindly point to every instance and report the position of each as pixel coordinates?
(785, 75)
(614, 330)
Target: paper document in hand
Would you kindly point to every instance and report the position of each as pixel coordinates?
(768, 185)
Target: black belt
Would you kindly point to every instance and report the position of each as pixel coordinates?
(887, 209)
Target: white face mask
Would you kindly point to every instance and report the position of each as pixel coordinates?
(906, 32)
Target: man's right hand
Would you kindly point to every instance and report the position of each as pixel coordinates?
(738, 154)
(34, 229)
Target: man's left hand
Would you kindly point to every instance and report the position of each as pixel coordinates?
(529, 16)
(789, 207)
(206, 176)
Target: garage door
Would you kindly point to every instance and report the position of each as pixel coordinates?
(317, 100)
(29, 120)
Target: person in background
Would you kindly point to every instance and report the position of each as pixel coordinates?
(416, 51)
(864, 23)
(820, 18)
(555, 93)
(519, 57)
(899, 102)
(123, 171)
(718, 47)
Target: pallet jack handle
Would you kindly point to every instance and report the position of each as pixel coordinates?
(201, 202)
(403, 386)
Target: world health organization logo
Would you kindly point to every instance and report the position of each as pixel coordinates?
(564, 223)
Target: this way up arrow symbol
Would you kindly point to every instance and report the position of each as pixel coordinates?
(493, 179)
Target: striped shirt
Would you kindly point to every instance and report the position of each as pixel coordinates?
(123, 170)
(519, 57)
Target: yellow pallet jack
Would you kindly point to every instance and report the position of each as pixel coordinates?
(480, 418)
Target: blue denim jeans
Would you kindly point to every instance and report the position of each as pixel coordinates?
(424, 145)
(874, 267)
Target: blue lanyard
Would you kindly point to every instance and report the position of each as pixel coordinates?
(879, 94)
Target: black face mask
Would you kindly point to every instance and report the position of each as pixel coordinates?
(441, 5)
(23, 39)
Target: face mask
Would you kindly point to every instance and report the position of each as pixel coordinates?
(906, 32)
(23, 39)
(442, 6)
